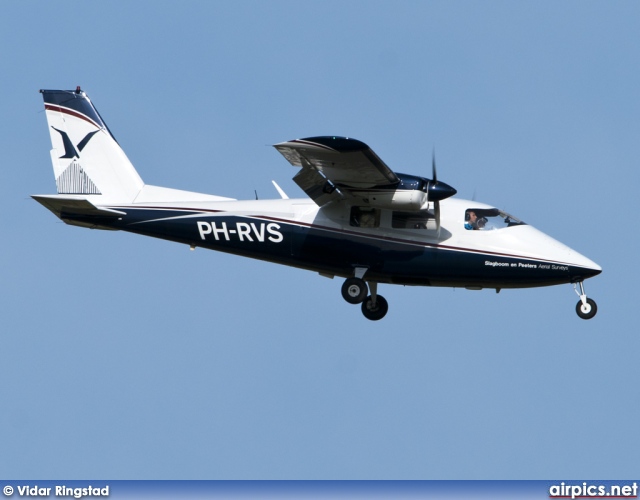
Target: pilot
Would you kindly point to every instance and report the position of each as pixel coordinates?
(472, 222)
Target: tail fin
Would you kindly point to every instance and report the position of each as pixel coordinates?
(87, 160)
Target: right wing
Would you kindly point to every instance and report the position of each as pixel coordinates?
(331, 163)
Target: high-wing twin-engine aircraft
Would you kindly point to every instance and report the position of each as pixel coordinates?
(362, 221)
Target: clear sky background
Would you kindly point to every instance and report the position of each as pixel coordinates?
(125, 357)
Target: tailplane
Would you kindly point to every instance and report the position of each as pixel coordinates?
(87, 159)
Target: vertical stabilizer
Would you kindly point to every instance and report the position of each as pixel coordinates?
(87, 160)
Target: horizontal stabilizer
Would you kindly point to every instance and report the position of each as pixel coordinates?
(78, 211)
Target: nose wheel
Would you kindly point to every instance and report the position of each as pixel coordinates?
(585, 308)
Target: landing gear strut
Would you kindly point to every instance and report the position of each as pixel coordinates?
(586, 308)
(354, 291)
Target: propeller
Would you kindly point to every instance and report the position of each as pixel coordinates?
(436, 204)
(438, 190)
(433, 166)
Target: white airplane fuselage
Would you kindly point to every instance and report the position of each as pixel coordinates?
(296, 232)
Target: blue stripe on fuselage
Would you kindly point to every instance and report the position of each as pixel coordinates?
(337, 251)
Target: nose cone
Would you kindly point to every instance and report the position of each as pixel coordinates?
(582, 267)
(439, 191)
(564, 261)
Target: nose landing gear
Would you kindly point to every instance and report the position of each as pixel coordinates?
(585, 308)
(354, 291)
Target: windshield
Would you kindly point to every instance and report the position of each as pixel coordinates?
(486, 219)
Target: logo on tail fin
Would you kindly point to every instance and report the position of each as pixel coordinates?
(74, 180)
(69, 150)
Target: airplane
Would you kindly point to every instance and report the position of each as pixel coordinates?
(362, 221)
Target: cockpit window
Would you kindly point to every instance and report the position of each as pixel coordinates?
(485, 219)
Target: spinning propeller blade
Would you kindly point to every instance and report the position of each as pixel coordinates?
(438, 190)
(433, 166)
(436, 203)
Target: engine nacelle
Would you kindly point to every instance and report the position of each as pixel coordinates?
(411, 193)
(399, 199)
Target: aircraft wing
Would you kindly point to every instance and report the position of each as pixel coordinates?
(330, 163)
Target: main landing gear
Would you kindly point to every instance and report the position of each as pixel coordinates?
(355, 290)
(586, 308)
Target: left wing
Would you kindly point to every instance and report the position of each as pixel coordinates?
(329, 163)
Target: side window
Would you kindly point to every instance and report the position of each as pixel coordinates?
(364, 217)
(422, 219)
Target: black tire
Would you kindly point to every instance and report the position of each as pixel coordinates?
(374, 313)
(588, 311)
(354, 290)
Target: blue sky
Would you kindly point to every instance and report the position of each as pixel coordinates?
(132, 358)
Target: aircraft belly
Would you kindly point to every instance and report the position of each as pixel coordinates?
(476, 269)
(391, 261)
(336, 251)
